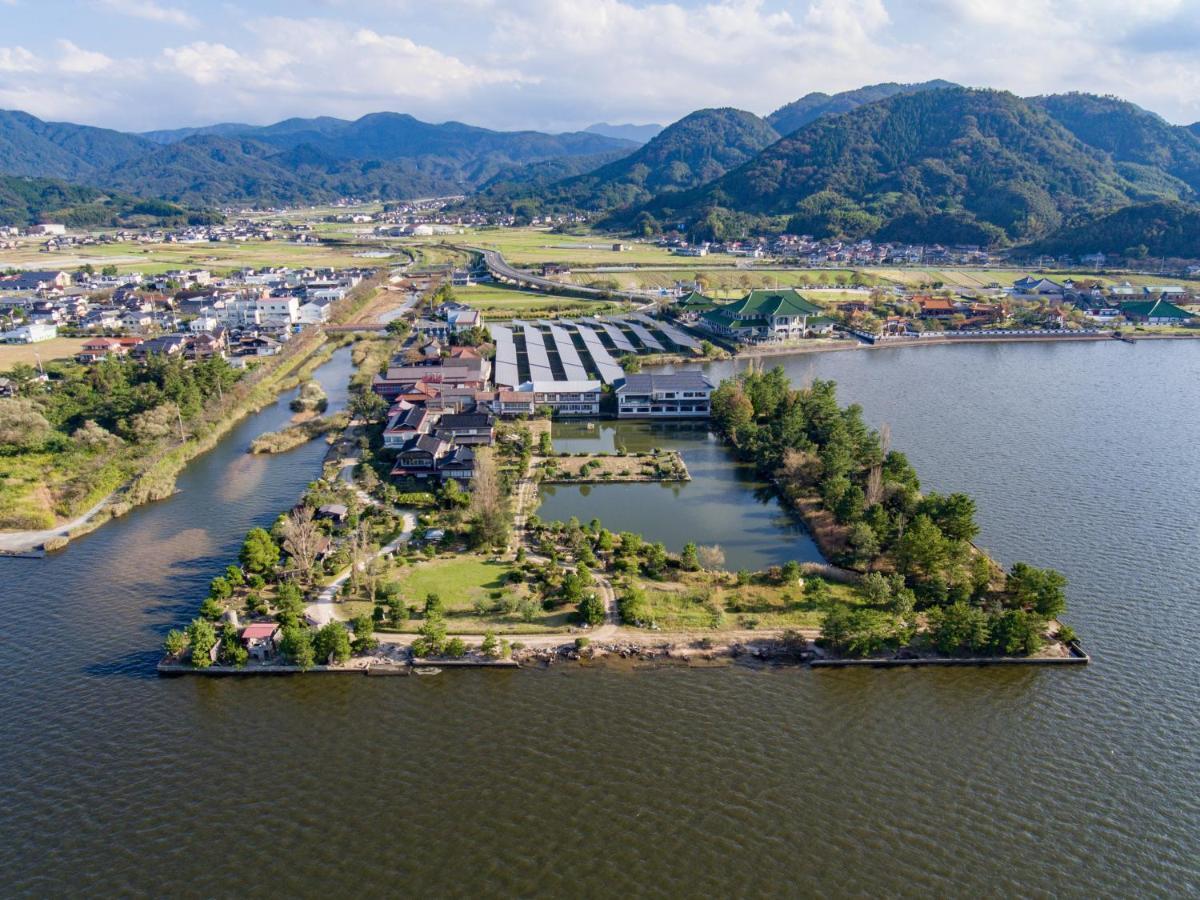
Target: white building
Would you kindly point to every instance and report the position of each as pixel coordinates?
(566, 398)
(30, 334)
(680, 395)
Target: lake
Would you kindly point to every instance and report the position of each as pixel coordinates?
(667, 782)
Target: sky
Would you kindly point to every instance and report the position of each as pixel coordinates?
(559, 65)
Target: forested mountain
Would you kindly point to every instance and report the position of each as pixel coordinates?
(27, 201)
(691, 152)
(638, 133)
(1160, 228)
(29, 146)
(1133, 136)
(952, 165)
(385, 155)
(814, 106)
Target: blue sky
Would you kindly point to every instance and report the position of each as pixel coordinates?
(563, 64)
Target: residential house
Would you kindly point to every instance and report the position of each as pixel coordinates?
(467, 428)
(1037, 287)
(406, 424)
(261, 639)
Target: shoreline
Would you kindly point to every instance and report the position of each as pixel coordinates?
(765, 648)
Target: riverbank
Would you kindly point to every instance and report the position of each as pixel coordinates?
(155, 476)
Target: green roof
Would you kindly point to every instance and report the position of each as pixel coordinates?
(696, 300)
(761, 304)
(1154, 309)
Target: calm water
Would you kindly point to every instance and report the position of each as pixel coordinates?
(723, 504)
(664, 782)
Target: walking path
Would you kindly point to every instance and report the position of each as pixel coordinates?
(323, 609)
(24, 541)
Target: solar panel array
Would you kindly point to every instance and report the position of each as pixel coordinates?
(677, 337)
(568, 355)
(504, 367)
(609, 371)
(617, 336)
(535, 352)
(649, 341)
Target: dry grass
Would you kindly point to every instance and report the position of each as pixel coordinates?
(30, 354)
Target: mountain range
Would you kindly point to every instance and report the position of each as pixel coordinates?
(384, 155)
(923, 162)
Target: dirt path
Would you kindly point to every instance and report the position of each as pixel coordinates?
(324, 609)
(24, 541)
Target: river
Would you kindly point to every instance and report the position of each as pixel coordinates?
(666, 782)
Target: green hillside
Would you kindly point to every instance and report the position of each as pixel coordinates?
(952, 165)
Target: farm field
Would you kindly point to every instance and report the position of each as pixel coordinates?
(30, 354)
(505, 303)
(726, 282)
(153, 259)
(525, 246)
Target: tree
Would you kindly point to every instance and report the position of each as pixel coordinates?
(958, 626)
(790, 572)
(864, 541)
(655, 560)
(954, 514)
(175, 642)
(689, 561)
(259, 553)
(1041, 590)
(490, 646)
(875, 588)
(232, 651)
(1018, 632)
(363, 627)
(296, 645)
(712, 557)
(368, 406)
(234, 576)
(332, 643)
(591, 610)
(212, 608)
(220, 588)
(302, 539)
(290, 603)
(922, 549)
(455, 648)
(201, 637)
(155, 424)
(21, 424)
(432, 638)
(488, 512)
(433, 605)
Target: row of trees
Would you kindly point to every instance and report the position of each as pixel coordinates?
(820, 453)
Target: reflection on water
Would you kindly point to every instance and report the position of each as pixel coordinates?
(725, 503)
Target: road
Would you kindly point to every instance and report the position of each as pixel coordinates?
(24, 541)
(503, 271)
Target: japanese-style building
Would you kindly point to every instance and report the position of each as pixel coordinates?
(762, 316)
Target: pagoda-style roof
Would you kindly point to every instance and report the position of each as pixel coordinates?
(762, 304)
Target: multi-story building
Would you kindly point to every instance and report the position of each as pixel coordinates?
(680, 395)
(762, 316)
(566, 398)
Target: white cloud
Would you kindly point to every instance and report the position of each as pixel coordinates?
(77, 61)
(559, 64)
(150, 11)
(17, 59)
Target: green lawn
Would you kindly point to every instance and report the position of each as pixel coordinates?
(701, 602)
(461, 582)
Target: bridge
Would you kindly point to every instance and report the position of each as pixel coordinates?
(504, 272)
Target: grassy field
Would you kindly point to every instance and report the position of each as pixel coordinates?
(524, 246)
(467, 582)
(153, 259)
(701, 601)
(505, 303)
(56, 348)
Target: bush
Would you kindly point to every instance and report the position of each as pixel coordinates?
(455, 648)
(582, 642)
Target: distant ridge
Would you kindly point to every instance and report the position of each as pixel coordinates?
(639, 133)
(814, 106)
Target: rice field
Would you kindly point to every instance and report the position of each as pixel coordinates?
(504, 303)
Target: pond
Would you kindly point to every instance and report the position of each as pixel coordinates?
(725, 503)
